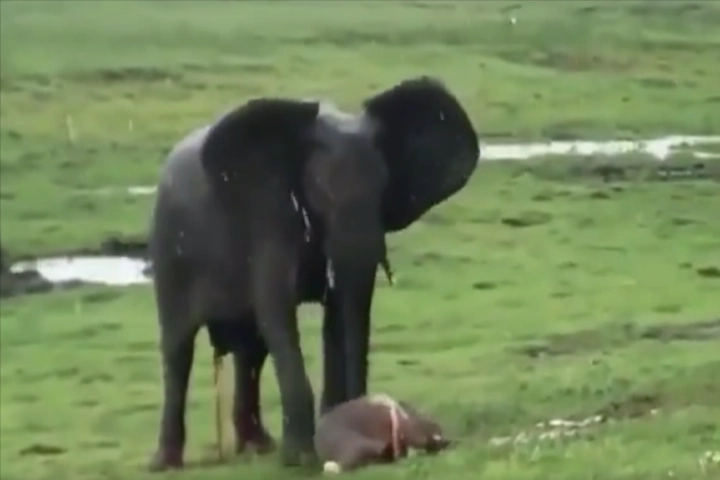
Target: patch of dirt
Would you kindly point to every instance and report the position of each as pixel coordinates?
(631, 167)
(647, 9)
(610, 172)
(431, 5)
(40, 449)
(426, 258)
(127, 74)
(511, 8)
(657, 83)
(433, 218)
(407, 363)
(101, 296)
(567, 60)
(90, 331)
(96, 378)
(579, 341)
(122, 246)
(484, 286)
(567, 130)
(587, 10)
(24, 283)
(681, 222)
(101, 444)
(580, 62)
(708, 272)
(549, 195)
(634, 406)
(600, 195)
(527, 219)
(112, 246)
(692, 331)
(616, 336)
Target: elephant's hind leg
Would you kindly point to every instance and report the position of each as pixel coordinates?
(177, 356)
(250, 432)
(178, 329)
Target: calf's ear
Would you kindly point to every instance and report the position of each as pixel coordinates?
(429, 144)
(266, 138)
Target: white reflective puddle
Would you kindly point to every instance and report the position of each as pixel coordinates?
(659, 148)
(103, 270)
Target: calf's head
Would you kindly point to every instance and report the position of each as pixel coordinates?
(420, 432)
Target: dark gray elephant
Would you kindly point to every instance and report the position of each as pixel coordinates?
(282, 202)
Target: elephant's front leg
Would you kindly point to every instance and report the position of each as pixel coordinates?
(274, 297)
(334, 371)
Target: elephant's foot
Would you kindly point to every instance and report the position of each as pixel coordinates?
(299, 453)
(255, 440)
(166, 458)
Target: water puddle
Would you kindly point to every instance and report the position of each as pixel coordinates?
(101, 270)
(658, 148)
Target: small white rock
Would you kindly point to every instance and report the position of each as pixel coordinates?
(332, 467)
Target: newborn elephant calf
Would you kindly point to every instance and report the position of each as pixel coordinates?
(374, 429)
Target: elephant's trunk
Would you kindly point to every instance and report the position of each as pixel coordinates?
(355, 254)
(355, 311)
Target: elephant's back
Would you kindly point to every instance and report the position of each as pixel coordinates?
(184, 204)
(182, 170)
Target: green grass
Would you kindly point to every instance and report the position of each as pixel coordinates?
(581, 69)
(490, 327)
(538, 292)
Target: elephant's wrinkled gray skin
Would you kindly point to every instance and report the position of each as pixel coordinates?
(282, 202)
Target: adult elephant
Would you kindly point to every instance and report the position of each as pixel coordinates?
(282, 202)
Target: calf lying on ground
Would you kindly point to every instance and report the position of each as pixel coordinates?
(374, 429)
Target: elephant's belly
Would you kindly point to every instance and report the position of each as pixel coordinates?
(312, 276)
(216, 298)
(230, 334)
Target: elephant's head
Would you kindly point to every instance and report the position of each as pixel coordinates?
(412, 147)
(343, 186)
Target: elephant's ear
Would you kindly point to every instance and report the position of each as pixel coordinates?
(263, 138)
(429, 144)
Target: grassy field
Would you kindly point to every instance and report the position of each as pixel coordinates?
(135, 76)
(539, 292)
